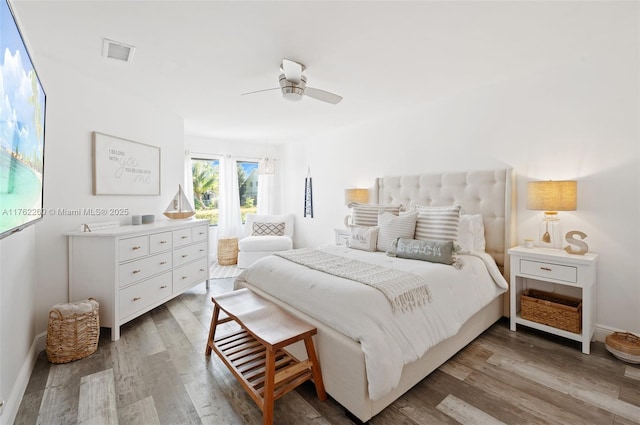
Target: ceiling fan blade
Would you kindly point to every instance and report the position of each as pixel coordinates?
(292, 70)
(259, 91)
(322, 95)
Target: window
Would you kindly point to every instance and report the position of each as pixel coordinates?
(248, 185)
(206, 180)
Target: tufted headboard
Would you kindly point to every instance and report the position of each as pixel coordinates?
(490, 193)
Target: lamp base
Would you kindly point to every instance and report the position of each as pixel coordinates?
(549, 231)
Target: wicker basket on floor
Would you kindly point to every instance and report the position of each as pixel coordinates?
(227, 251)
(624, 345)
(558, 311)
(73, 331)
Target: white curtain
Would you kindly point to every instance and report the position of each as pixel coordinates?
(188, 177)
(266, 184)
(229, 220)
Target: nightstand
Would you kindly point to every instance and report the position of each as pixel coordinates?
(342, 236)
(560, 268)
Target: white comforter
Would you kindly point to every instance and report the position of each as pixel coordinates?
(389, 340)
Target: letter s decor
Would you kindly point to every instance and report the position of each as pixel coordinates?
(582, 246)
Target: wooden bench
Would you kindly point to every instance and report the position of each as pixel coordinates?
(255, 353)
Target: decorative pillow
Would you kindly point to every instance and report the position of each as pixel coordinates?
(425, 250)
(393, 227)
(437, 223)
(363, 237)
(471, 233)
(267, 229)
(367, 214)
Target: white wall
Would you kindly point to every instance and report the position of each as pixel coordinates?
(576, 120)
(17, 321)
(34, 262)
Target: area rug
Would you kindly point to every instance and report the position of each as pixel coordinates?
(221, 272)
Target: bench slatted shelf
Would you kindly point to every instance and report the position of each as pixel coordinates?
(255, 354)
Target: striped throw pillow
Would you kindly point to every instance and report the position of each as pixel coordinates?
(437, 223)
(367, 215)
(393, 227)
(267, 229)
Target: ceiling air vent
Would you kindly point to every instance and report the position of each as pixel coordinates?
(116, 50)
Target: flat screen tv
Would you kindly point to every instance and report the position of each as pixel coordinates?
(22, 118)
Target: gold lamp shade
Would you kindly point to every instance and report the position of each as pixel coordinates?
(560, 195)
(360, 196)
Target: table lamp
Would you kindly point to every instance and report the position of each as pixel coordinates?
(551, 196)
(360, 196)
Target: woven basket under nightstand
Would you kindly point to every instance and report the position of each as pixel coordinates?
(558, 311)
(73, 331)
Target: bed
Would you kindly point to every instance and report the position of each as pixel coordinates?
(351, 350)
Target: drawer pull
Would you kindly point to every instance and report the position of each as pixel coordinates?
(163, 241)
(163, 263)
(202, 250)
(184, 237)
(546, 269)
(136, 271)
(163, 286)
(137, 298)
(135, 247)
(185, 255)
(201, 233)
(201, 270)
(184, 277)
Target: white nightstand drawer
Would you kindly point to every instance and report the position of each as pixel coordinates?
(131, 248)
(549, 270)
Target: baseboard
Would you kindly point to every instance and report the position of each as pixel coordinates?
(13, 403)
(602, 331)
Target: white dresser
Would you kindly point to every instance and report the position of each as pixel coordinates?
(131, 269)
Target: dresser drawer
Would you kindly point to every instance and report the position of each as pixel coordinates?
(144, 268)
(199, 233)
(549, 270)
(141, 295)
(131, 248)
(192, 273)
(189, 253)
(182, 237)
(159, 242)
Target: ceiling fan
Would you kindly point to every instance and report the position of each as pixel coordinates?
(294, 85)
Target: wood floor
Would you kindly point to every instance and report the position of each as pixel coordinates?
(157, 373)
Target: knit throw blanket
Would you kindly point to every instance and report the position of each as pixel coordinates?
(403, 290)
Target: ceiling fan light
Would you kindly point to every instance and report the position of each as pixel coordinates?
(290, 90)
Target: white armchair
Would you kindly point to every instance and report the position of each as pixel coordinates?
(254, 245)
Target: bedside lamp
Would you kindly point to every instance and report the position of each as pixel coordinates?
(359, 196)
(551, 197)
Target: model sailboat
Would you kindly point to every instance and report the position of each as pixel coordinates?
(179, 207)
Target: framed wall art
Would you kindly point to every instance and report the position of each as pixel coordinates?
(124, 167)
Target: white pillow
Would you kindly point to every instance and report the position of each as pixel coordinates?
(471, 233)
(363, 237)
(393, 227)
